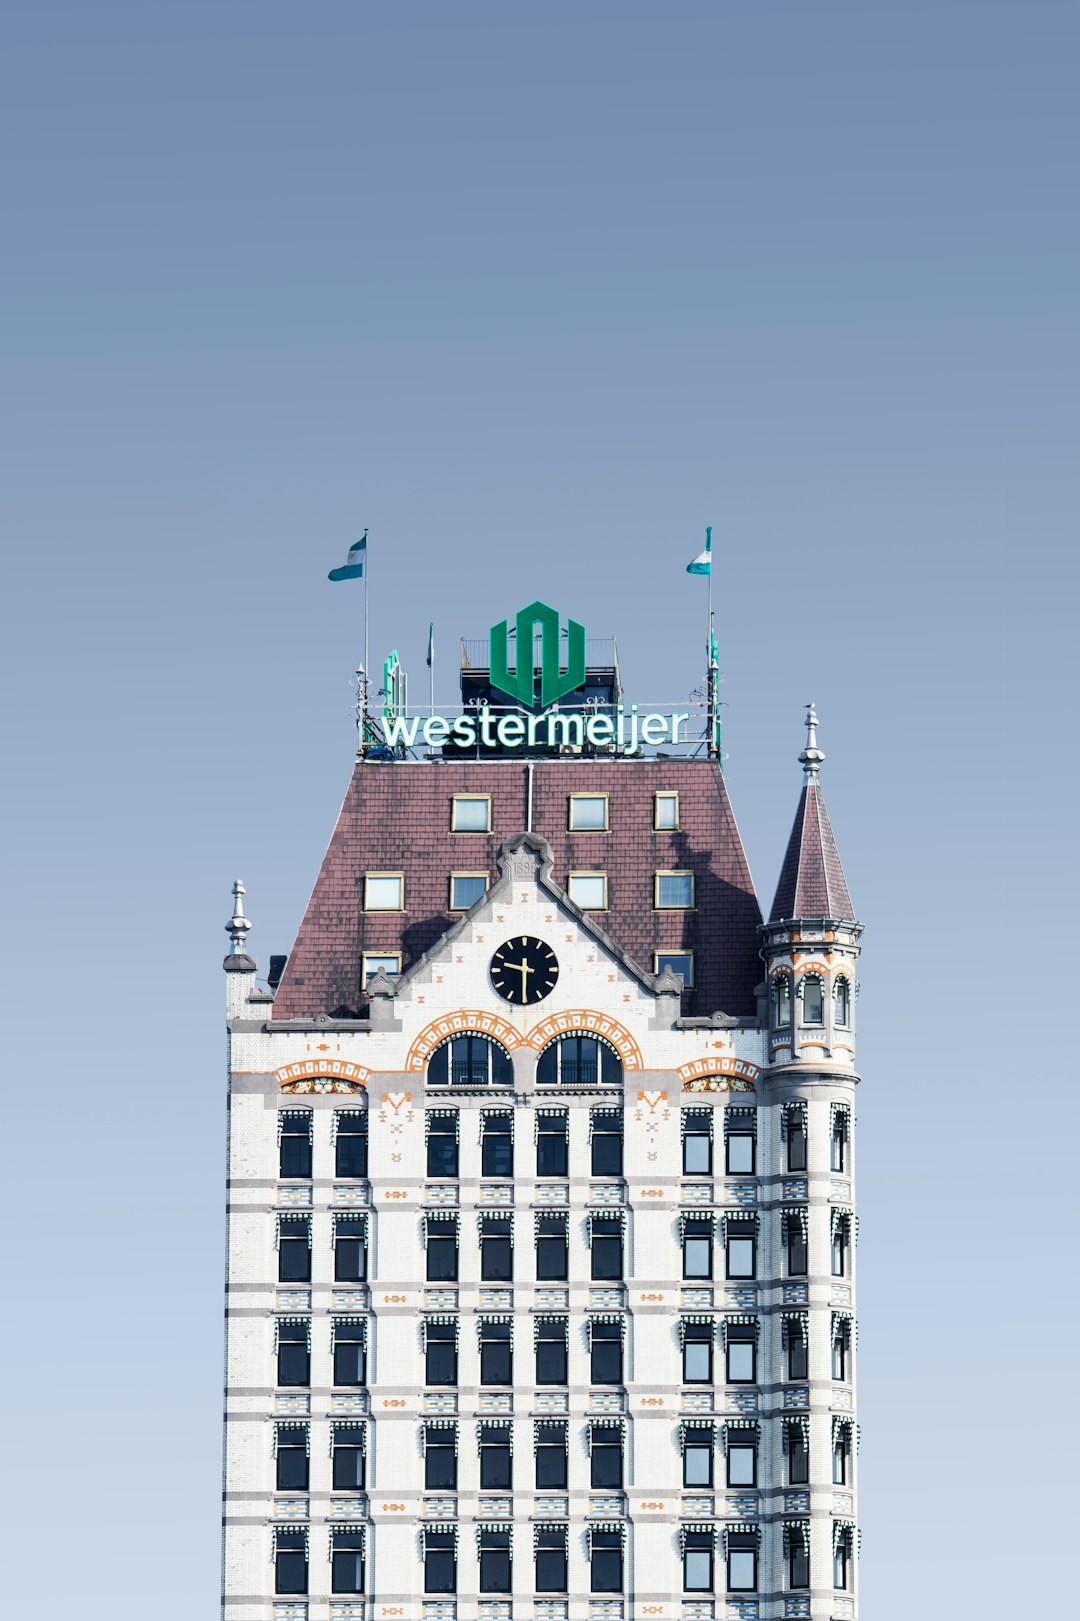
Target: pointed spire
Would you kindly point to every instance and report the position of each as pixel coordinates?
(812, 882)
(238, 925)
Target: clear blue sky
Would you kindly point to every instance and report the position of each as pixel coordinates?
(536, 293)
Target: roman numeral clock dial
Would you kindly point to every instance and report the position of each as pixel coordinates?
(524, 970)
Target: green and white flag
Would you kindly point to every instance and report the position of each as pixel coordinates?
(353, 567)
(702, 564)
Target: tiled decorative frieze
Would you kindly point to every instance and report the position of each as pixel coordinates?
(497, 1299)
(441, 1194)
(741, 1401)
(744, 1299)
(356, 1299)
(741, 1610)
(699, 1610)
(290, 1612)
(354, 1194)
(297, 1197)
(290, 1508)
(495, 1508)
(493, 1402)
(843, 1609)
(840, 1189)
(294, 1300)
(796, 1502)
(552, 1508)
(696, 1193)
(441, 1401)
(348, 1508)
(795, 1189)
(741, 1193)
(841, 1295)
(551, 1609)
(796, 1396)
(553, 1299)
(697, 1401)
(293, 1402)
(439, 1610)
(551, 1401)
(611, 1503)
(841, 1503)
(607, 1401)
(696, 1299)
(607, 1193)
(440, 1299)
(797, 1607)
(744, 1505)
(607, 1299)
(601, 1609)
(796, 1294)
(488, 1611)
(693, 1508)
(346, 1612)
(498, 1193)
(841, 1399)
(356, 1401)
(440, 1508)
(553, 1193)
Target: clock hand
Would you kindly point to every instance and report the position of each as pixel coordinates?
(523, 968)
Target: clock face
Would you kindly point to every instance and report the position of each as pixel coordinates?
(524, 970)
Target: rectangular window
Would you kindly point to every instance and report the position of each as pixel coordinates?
(742, 1562)
(442, 1249)
(350, 1451)
(698, 1561)
(551, 1559)
(606, 1133)
(351, 1143)
(798, 1558)
(495, 1458)
(496, 1353)
(813, 999)
(673, 891)
(471, 813)
(841, 1555)
(293, 1351)
(291, 1444)
(440, 1561)
(440, 1458)
(588, 813)
(466, 889)
(552, 1248)
(495, 1564)
(346, 1560)
(840, 1351)
(588, 890)
(741, 1459)
(384, 892)
(442, 1143)
(841, 1454)
(697, 1368)
(552, 1145)
(551, 1355)
(497, 1145)
(606, 1245)
(350, 1249)
(440, 1353)
(551, 1451)
(796, 1140)
(741, 1357)
(606, 1453)
(666, 812)
(496, 1249)
(740, 1153)
(698, 1458)
(605, 1353)
(840, 1229)
(741, 1249)
(795, 1242)
(294, 1249)
(838, 1149)
(350, 1350)
(798, 1363)
(798, 1453)
(294, 1143)
(697, 1142)
(697, 1247)
(379, 962)
(605, 1561)
(290, 1561)
(680, 962)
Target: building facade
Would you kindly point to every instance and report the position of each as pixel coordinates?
(541, 1232)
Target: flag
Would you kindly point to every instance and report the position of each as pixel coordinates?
(353, 567)
(702, 564)
(430, 646)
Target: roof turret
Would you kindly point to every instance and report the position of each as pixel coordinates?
(812, 882)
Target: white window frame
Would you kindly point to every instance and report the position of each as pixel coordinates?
(665, 827)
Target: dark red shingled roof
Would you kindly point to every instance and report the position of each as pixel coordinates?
(812, 882)
(396, 818)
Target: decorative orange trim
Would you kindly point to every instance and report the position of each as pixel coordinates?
(336, 1069)
(589, 1022)
(735, 1068)
(470, 1021)
(781, 968)
(810, 965)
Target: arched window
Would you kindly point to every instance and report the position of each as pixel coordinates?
(813, 1000)
(841, 1001)
(579, 1060)
(782, 1000)
(470, 1060)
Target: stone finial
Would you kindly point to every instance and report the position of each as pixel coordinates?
(238, 925)
(811, 757)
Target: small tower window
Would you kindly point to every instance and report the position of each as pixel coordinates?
(782, 1001)
(813, 1000)
(842, 1002)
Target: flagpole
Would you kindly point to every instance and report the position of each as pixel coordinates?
(431, 667)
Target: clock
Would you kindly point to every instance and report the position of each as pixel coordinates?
(524, 970)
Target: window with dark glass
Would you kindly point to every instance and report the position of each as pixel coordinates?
(838, 1141)
(841, 1454)
(293, 1351)
(551, 1451)
(350, 1249)
(466, 889)
(442, 1143)
(740, 1153)
(698, 1457)
(606, 1130)
(741, 1356)
(605, 1562)
(698, 1561)
(440, 1561)
(798, 1453)
(290, 1561)
(440, 1457)
(496, 1249)
(697, 1353)
(497, 1145)
(697, 1142)
(841, 1230)
(579, 1061)
(813, 1000)
(442, 1249)
(697, 1246)
(605, 1352)
(606, 1455)
(496, 1353)
(741, 1245)
(350, 1451)
(841, 1002)
(552, 1247)
(741, 1457)
(440, 1353)
(841, 1557)
(782, 1001)
(291, 1445)
(679, 962)
(294, 1249)
(495, 1562)
(470, 1061)
(797, 1349)
(552, 1145)
(496, 1464)
(351, 1143)
(294, 1143)
(551, 1354)
(551, 1559)
(346, 1560)
(796, 1139)
(606, 1244)
(840, 1351)
(742, 1553)
(350, 1351)
(795, 1242)
(798, 1552)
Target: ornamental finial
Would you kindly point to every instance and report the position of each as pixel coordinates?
(238, 925)
(811, 757)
